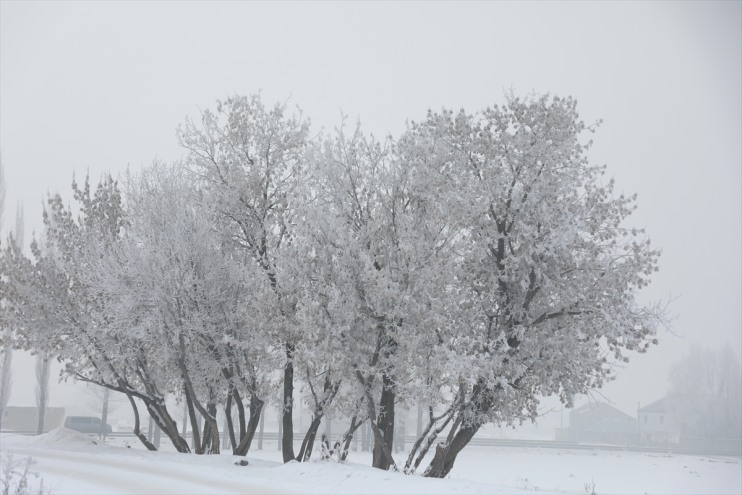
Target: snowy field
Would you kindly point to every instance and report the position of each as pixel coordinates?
(71, 463)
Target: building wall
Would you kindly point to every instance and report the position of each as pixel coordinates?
(26, 419)
(659, 427)
(582, 419)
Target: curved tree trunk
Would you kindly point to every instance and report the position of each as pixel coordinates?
(156, 408)
(330, 389)
(305, 452)
(160, 415)
(137, 432)
(256, 408)
(208, 413)
(428, 437)
(461, 432)
(195, 430)
(347, 437)
(211, 430)
(445, 453)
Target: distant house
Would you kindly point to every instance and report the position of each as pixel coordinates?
(598, 422)
(659, 422)
(26, 419)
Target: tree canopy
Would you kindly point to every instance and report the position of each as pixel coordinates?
(476, 264)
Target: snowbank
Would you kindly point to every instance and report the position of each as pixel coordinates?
(72, 463)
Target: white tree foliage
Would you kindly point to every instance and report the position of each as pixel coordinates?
(6, 330)
(477, 263)
(549, 271)
(2, 193)
(7, 348)
(248, 160)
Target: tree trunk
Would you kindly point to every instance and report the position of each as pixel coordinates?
(158, 412)
(287, 439)
(205, 435)
(42, 417)
(42, 389)
(379, 441)
(364, 438)
(345, 442)
(214, 437)
(306, 446)
(260, 431)
(6, 379)
(104, 415)
(385, 423)
(400, 431)
(225, 437)
(184, 431)
(428, 438)
(195, 428)
(240, 413)
(211, 430)
(385, 453)
(156, 440)
(256, 407)
(419, 429)
(445, 453)
(137, 432)
(230, 424)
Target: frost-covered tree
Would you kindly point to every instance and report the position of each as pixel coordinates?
(2, 193)
(475, 264)
(42, 359)
(57, 311)
(377, 265)
(549, 271)
(6, 376)
(103, 402)
(7, 349)
(146, 279)
(6, 359)
(248, 159)
(149, 305)
(707, 386)
(336, 231)
(197, 299)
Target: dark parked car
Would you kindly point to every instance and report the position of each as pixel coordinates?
(87, 424)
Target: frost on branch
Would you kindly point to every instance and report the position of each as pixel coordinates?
(476, 263)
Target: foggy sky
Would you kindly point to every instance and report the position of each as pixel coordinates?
(97, 86)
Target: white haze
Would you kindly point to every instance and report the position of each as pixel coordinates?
(97, 86)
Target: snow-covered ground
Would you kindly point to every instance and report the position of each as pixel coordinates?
(71, 463)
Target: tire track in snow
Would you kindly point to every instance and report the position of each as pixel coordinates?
(136, 475)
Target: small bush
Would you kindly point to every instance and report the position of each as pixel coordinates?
(17, 478)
